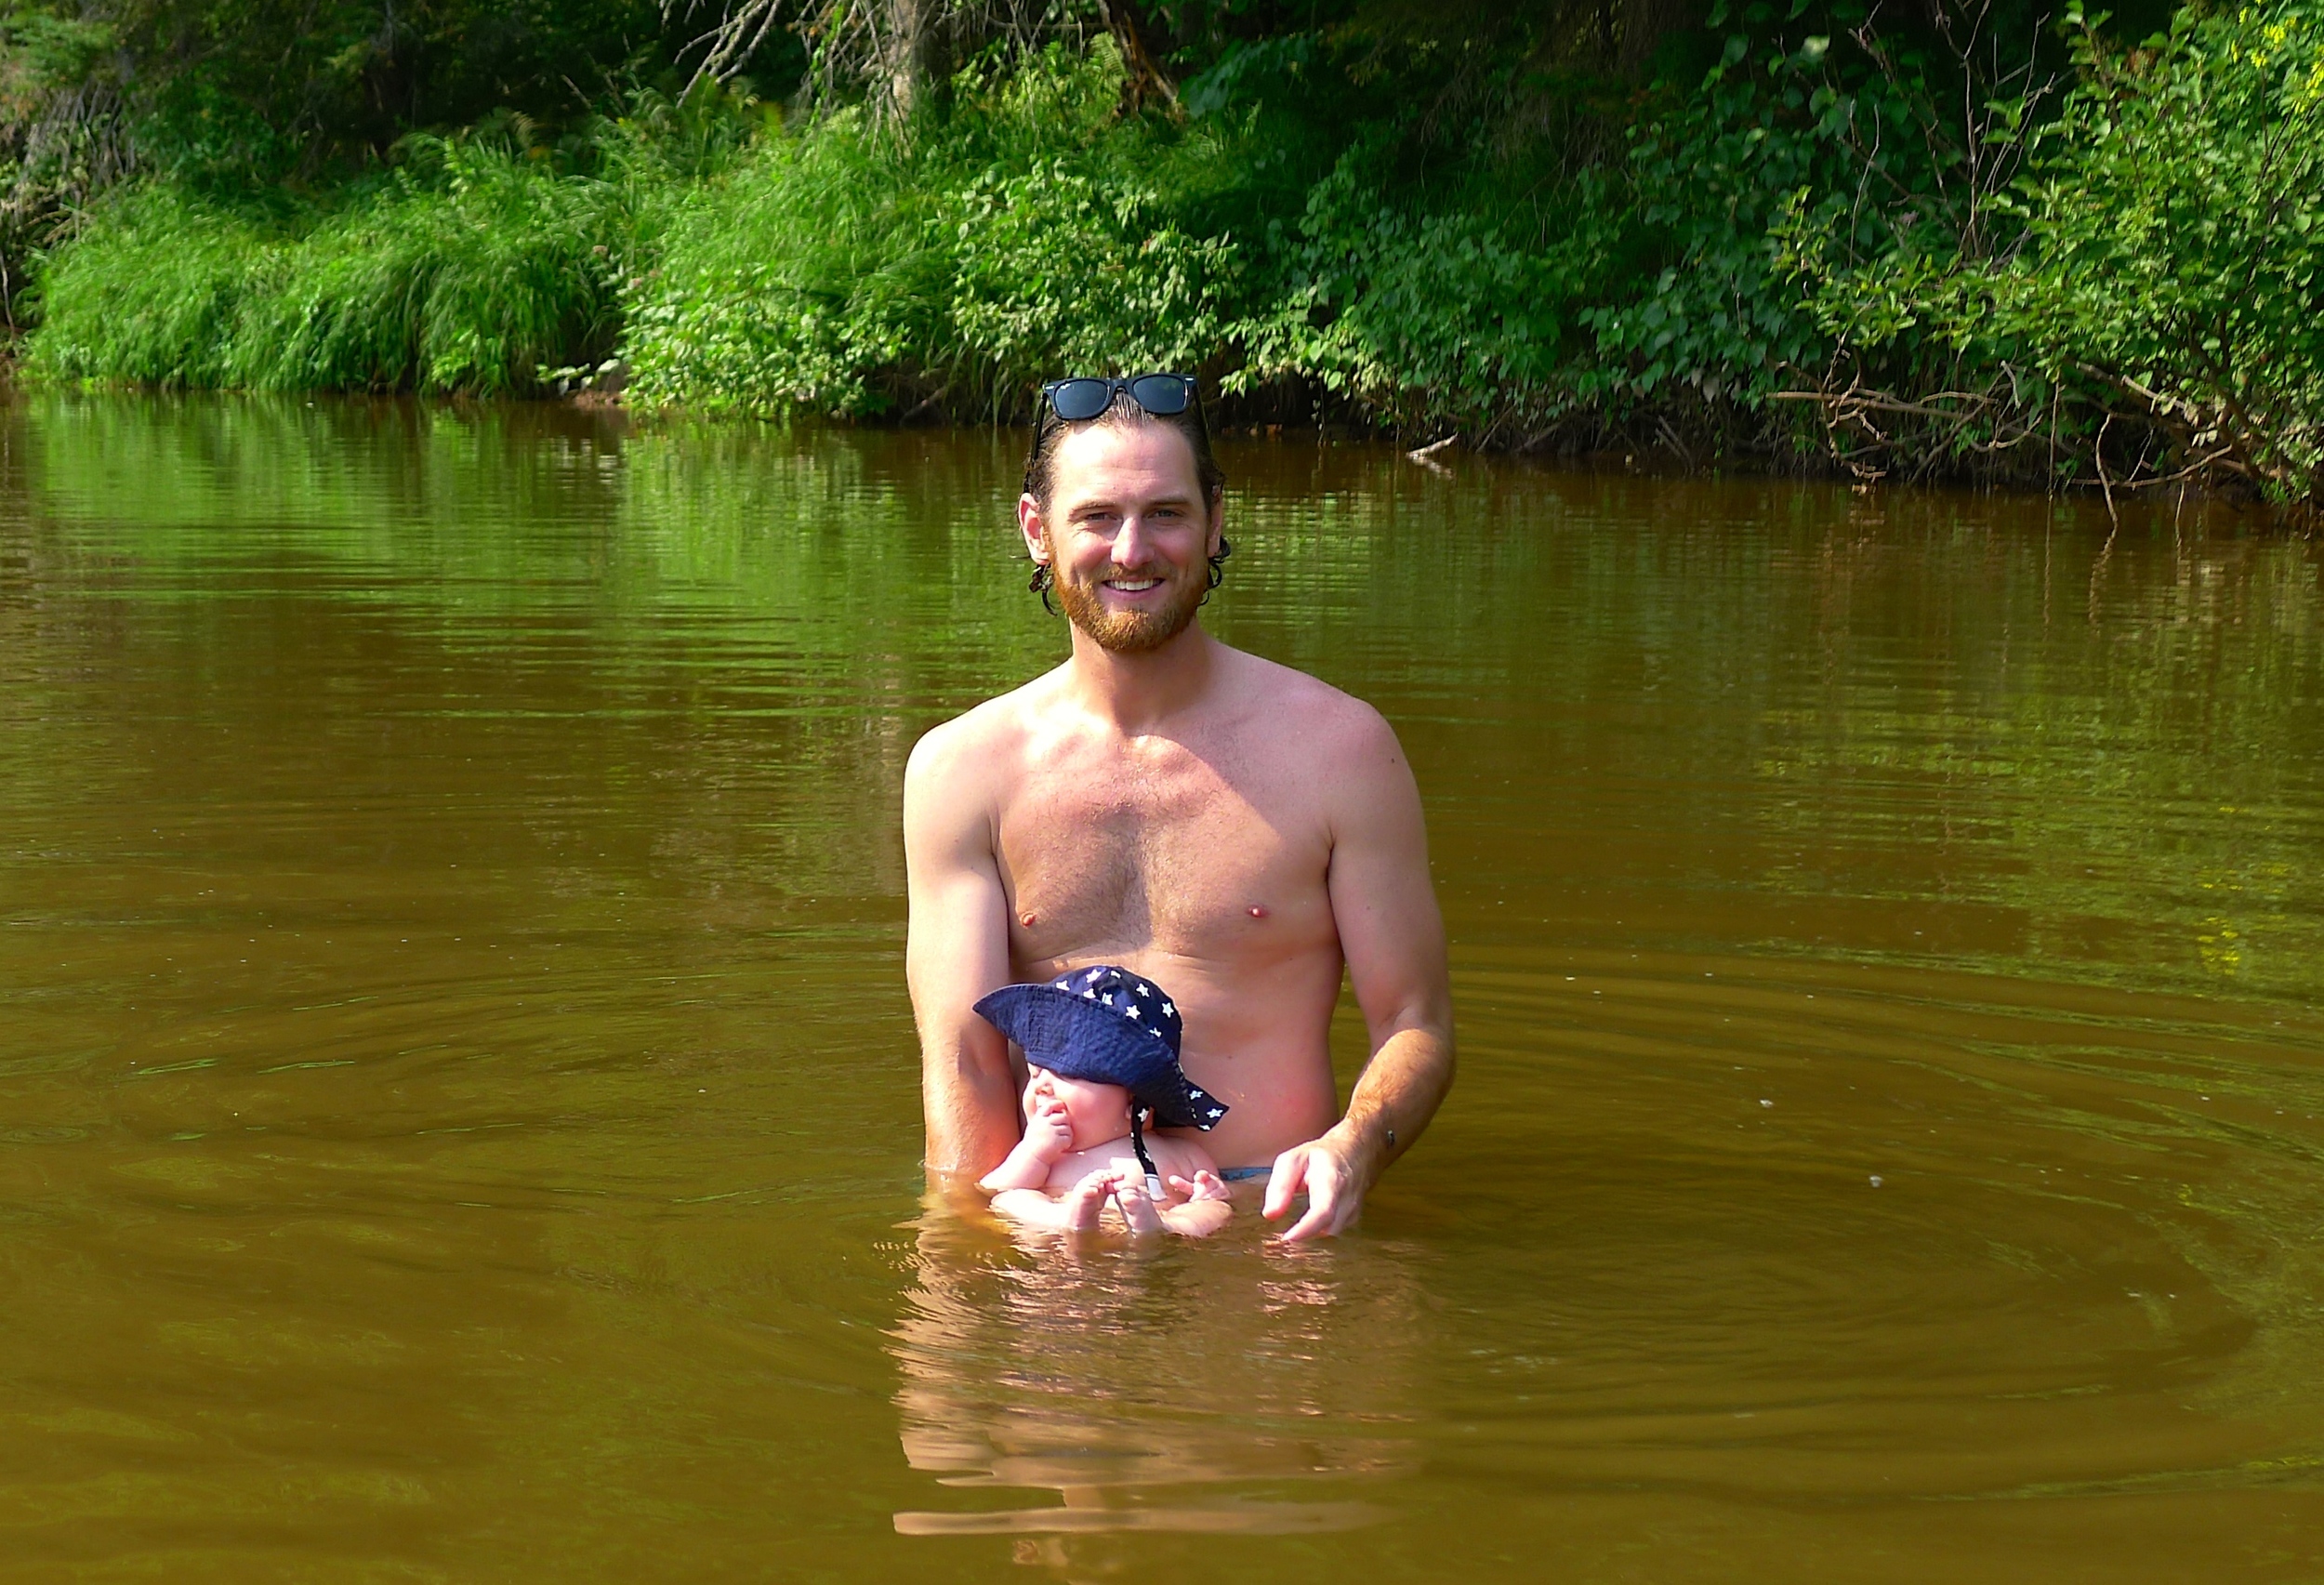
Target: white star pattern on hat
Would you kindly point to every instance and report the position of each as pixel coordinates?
(1155, 1076)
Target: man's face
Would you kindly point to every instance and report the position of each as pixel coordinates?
(1126, 533)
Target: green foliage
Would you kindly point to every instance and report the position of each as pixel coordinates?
(1359, 210)
(469, 268)
(226, 94)
(789, 281)
(844, 267)
(851, 272)
(262, 104)
(2171, 257)
(153, 301)
(1423, 318)
(1766, 134)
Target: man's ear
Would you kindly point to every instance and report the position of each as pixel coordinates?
(1029, 524)
(1218, 522)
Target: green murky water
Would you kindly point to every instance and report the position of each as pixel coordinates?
(459, 1115)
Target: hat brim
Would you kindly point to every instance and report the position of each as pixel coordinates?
(1074, 1035)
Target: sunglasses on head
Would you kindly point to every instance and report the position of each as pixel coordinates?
(1084, 397)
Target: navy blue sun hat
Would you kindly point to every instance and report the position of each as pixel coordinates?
(1109, 1026)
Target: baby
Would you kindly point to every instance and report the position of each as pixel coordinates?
(1101, 1048)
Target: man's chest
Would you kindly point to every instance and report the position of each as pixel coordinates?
(1166, 848)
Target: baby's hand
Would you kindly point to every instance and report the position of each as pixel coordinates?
(1204, 1186)
(1047, 1132)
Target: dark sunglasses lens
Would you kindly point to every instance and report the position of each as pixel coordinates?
(1162, 395)
(1077, 399)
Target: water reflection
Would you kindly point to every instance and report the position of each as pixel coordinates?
(1233, 1387)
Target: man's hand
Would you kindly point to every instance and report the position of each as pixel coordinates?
(1336, 1175)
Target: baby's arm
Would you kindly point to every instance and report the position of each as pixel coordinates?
(1202, 1206)
(1205, 1209)
(1047, 1133)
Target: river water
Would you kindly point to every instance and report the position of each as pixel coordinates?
(459, 1109)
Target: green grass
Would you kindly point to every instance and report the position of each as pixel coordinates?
(466, 270)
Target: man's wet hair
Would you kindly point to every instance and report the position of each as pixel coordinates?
(1050, 430)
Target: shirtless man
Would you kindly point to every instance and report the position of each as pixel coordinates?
(1238, 830)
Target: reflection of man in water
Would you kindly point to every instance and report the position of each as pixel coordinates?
(1231, 1394)
(1238, 830)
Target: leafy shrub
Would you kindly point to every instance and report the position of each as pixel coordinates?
(1784, 139)
(1060, 267)
(1421, 317)
(788, 283)
(849, 271)
(2171, 269)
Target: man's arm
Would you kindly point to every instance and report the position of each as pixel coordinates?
(957, 950)
(1394, 939)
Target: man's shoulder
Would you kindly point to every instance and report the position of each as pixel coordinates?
(972, 740)
(1287, 699)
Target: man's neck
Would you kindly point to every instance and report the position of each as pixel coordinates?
(1138, 693)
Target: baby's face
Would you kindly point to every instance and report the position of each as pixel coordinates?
(1098, 1112)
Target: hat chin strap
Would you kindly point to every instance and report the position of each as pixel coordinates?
(1138, 1143)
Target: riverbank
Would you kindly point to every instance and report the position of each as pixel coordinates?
(2110, 282)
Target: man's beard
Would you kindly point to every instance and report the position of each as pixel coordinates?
(1136, 631)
